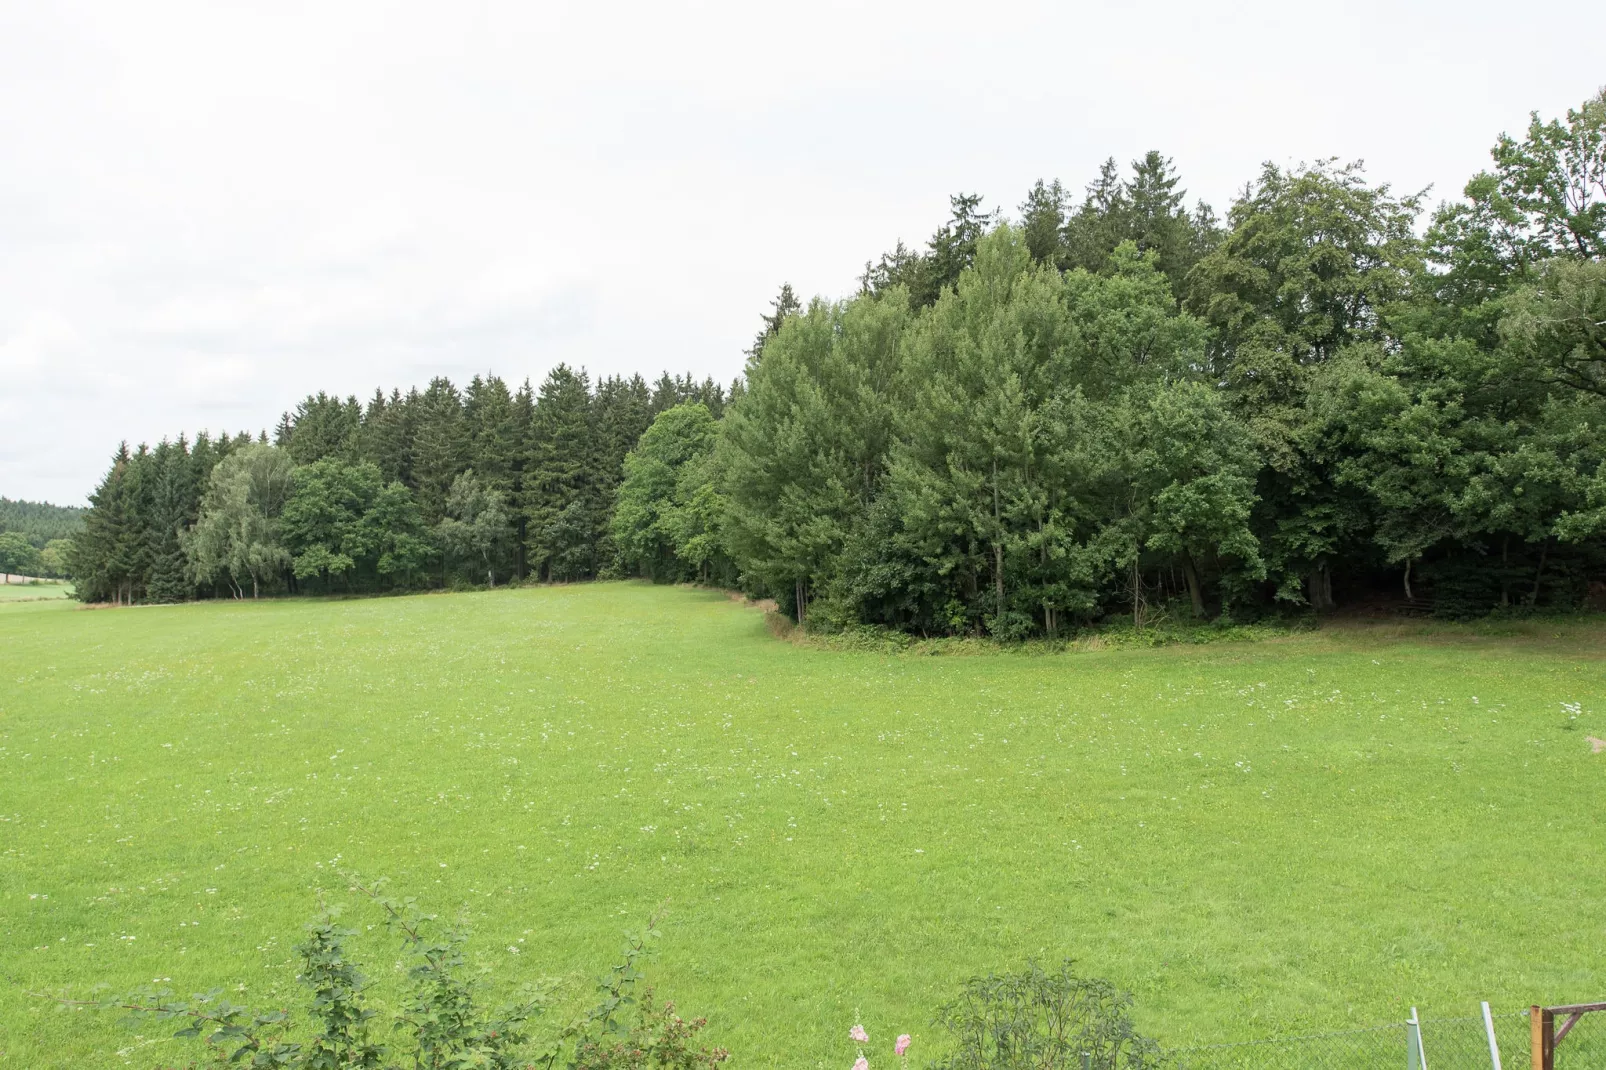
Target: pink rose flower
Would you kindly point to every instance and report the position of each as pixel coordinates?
(902, 1045)
(861, 1063)
(858, 1034)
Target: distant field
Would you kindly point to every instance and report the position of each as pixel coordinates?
(1305, 834)
(26, 592)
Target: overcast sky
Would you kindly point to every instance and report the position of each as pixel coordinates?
(208, 210)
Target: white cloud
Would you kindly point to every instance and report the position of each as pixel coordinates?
(208, 210)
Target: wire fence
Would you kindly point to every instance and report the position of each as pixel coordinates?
(1352, 1049)
(1447, 1044)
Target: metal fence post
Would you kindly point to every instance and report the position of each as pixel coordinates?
(1415, 1057)
(1494, 1048)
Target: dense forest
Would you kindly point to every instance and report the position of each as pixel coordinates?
(34, 536)
(1096, 405)
(427, 488)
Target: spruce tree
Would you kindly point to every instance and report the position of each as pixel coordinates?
(561, 507)
(441, 446)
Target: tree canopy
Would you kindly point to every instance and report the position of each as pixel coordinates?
(1111, 404)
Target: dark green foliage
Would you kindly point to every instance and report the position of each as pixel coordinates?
(563, 503)
(373, 504)
(1011, 430)
(1037, 1019)
(1337, 406)
(39, 522)
(322, 426)
(785, 304)
(323, 523)
(441, 446)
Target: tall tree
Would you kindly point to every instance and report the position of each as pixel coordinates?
(648, 526)
(563, 510)
(477, 529)
(785, 304)
(238, 538)
(441, 445)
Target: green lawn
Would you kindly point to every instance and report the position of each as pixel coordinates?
(28, 592)
(1304, 834)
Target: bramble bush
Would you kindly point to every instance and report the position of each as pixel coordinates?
(1035, 1019)
(442, 1019)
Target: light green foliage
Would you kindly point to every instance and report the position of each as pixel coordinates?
(323, 518)
(1181, 473)
(1556, 179)
(667, 519)
(1557, 326)
(1255, 839)
(477, 528)
(440, 1012)
(954, 449)
(394, 529)
(1314, 257)
(238, 537)
(804, 452)
(53, 558)
(18, 556)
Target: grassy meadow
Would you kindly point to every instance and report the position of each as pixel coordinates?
(1302, 834)
(32, 592)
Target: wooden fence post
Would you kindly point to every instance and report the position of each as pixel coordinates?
(1542, 1032)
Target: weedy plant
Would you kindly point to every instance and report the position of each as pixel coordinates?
(1043, 1020)
(442, 1018)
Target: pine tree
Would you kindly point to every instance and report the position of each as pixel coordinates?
(1043, 222)
(560, 502)
(174, 501)
(95, 557)
(785, 304)
(441, 448)
(493, 433)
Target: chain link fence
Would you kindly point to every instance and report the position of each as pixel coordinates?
(1447, 1044)
(1583, 1048)
(1353, 1049)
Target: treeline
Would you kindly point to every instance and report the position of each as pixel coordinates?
(40, 522)
(1107, 405)
(425, 488)
(34, 536)
(1101, 405)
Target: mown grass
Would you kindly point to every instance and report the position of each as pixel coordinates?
(1307, 833)
(29, 592)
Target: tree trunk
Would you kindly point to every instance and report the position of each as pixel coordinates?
(802, 602)
(998, 547)
(1505, 572)
(1320, 584)
(1408, 596)
(998, 574)
(1191, 573)
(1137, 596)
(1539, 573)
(254, 591)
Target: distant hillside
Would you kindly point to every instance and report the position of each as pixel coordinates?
(40, 522)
